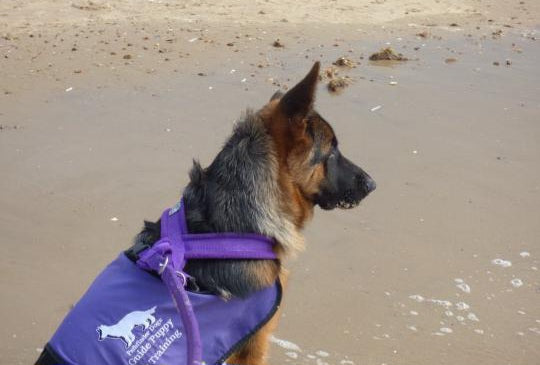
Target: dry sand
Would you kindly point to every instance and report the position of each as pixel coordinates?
(103, 104)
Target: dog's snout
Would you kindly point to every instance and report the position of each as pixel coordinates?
(370, 185)
(366, 183)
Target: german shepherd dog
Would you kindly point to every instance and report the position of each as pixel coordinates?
(279, 163)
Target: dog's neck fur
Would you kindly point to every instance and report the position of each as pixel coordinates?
(238, 192)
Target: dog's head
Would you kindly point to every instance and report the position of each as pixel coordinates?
(312, 169)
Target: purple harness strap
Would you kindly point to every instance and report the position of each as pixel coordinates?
(168, 256)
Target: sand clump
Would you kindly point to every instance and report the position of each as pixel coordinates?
(387, 54)
(344, 62)
(337, 84)
(497, 34)
(329, 73)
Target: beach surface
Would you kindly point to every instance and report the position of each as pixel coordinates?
(104, 104)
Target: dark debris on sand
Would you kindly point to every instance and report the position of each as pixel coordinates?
(278, 44)
(4, 127)
(88, 5)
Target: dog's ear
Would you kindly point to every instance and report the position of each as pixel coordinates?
(277, 95)
(298, 101)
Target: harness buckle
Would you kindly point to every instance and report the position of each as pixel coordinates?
(183, 276)
(163, 265)
(180, 274)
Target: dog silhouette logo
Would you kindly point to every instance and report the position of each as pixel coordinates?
(122, 330)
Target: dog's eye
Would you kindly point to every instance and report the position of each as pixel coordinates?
(329, 156)
(334, 152)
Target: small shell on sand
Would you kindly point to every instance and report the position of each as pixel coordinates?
(501, 262)
(516, 283)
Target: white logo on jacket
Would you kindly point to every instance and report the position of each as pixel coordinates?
(123, 329)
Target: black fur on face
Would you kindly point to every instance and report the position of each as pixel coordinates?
(344, 185)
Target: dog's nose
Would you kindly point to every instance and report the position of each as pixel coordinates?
(370, 185)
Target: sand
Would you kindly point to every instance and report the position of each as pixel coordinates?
(104, 104)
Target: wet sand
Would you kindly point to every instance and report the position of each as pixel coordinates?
(102, 108)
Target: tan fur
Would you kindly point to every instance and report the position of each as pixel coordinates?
(285, 135)
(278, 221)
(255, 351)
(298, 180)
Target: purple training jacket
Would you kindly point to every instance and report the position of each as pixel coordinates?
(127, 316)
